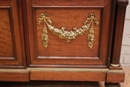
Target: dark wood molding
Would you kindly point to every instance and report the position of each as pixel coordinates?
(118, 30)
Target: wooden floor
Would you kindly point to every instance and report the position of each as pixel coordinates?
(65, 84)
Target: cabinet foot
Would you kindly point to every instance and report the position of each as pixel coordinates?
(112, 84)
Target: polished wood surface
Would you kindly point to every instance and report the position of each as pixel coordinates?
(11, 36)
(6, 44)
(67, 74)
(14, 75)
(21, 44)
(67, 14)
(69, 18)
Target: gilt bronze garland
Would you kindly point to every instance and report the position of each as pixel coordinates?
(68, 35)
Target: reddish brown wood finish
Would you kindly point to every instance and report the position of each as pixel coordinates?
(66, 75)
(11, 34)
(6, 44)
(58, 51)
(14, 75)
(68, 17)
(18, 26)
(115, 77)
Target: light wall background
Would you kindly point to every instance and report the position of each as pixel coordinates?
(125, 51)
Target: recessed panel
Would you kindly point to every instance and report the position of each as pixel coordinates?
(11, 34)
(68, 18)
(53, 23)
(6, 47)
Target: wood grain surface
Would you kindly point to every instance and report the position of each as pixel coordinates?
(67, 14)
(11, 34)
(69, 18)
(6, 45)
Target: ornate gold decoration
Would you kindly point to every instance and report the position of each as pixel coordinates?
(68, 35)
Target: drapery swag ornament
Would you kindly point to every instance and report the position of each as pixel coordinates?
(68, 35)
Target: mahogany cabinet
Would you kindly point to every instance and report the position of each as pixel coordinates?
(12, 52)
(61, 40)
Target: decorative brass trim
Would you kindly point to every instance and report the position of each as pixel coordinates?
(68, 35)
(14, 70)
(69, 69)
(115, 71)
(115, 65)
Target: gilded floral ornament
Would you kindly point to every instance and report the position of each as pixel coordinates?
(68, 35)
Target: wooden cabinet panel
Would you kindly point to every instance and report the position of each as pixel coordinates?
(11, 38)
(65, 40)
(69, 18)
(67, 14)
(6, 44)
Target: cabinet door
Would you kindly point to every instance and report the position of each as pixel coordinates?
(11, 34)
(68, 33)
